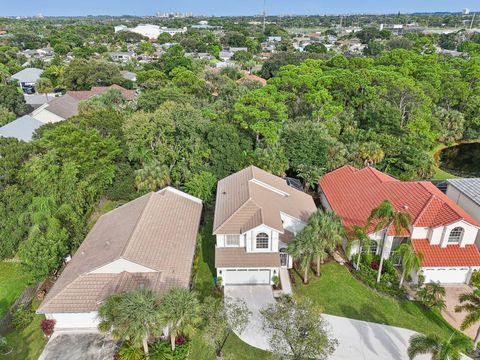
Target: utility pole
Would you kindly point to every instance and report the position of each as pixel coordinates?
(264, 15)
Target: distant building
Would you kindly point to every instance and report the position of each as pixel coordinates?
(151, 31)
(27, 77)
(466, 11)
(274, 39)
(22, 129)
(122, 56)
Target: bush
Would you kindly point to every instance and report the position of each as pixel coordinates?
(368, 274)
(161, 350)
(475, 279)
(47, 326)
(128, 352)
(22, 317)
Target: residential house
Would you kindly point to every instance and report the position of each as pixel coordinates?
(27, 77)
(256, 216)
(34, 101)
(466, 194)
(59, 109)
(251, 77)
(122, 56)
(147, 243)
(442, 231)
(79, 95)
(128, 75)
(22, 128)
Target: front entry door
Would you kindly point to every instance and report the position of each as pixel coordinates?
(283, 258)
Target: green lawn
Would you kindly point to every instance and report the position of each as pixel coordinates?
(234, 349)
(12, 282)
(27, 344)
(339, 293)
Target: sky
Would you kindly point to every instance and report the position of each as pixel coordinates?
(227, 7)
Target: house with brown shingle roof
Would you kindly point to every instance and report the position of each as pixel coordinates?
(256, 215)
(149, 242)
(441, 230)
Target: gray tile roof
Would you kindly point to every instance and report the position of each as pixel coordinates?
(64, 106)
(28, 75)
(468, 186)
(21, 129)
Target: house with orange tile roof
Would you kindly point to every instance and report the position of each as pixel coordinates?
(257, 215)
(442, 231)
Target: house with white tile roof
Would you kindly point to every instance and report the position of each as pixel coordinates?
(440, 229)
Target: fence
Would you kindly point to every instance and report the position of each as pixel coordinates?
(25, 298)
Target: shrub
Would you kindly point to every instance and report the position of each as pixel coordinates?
(475, 280)
(4, 348)
(47, 326)
(388, 282)
(219, 281)
(276, 280)
(161, 350)
(128, 352)
(22, 317)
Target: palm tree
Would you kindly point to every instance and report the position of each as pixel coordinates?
(309, 175)
(363, 241)
(432, 295)
(132, 316)
(439, 349)
(386, 216)
(303, 249)
(410, 259)
(180, 313)
(470, 303)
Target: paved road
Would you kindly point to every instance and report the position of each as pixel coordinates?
(358, 340)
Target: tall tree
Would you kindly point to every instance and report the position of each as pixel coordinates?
(180, 313)
(304, 249)
(297, 330)
(222, 318)
(44, 86)
(410, 259)
(385, 216)
(470, 303)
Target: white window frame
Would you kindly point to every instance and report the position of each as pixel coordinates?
(264, 235)
(235, 238)
(457, 236)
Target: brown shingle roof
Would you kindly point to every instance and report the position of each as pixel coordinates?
(238, 257)
(98, 90)
(64, 106)
(157, 231)
(252, 197)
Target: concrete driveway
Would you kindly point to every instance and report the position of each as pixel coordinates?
(452, 292)
(79, 346)
(358, 340)
(256, 297)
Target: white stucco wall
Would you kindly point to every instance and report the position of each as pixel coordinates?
(464, 201)
(45, 116)
(87, 320)
(121, 265)
(470, 233)
(292, 224)
(251, 236)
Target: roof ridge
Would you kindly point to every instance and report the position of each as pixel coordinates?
(420, 214)
(240, 207)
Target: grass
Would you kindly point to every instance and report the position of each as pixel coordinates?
(235, 349)
(28, 343)
(339, 293)
(12, 282)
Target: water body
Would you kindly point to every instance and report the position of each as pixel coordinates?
(462, 160)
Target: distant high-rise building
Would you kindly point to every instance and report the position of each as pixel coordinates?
(466, 11)
(177, 14)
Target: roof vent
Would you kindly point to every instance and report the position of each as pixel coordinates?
(107, 242)
(405, 207)
(224, 192)
(82, 253)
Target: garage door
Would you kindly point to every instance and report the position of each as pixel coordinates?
(250, 276)
(446, 275)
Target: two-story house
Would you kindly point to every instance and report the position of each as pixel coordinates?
(442, 231)
(256, 215)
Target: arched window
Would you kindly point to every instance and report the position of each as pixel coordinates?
(455, 235)
(373, 247)
(262, 241)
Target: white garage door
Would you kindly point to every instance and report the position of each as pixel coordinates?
(446, 275)
(250, 276)
(75, 320)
